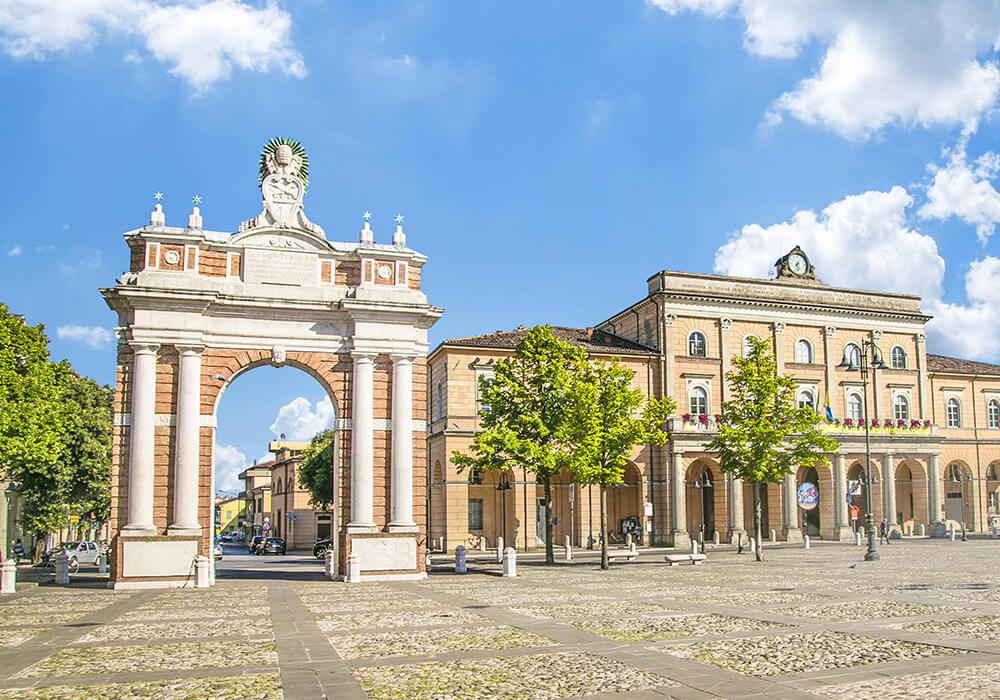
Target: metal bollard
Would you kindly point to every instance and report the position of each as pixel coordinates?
(8, 576)
(499, 550)
(354, 568)
(805, 541)
(62, 568)
(460, 559)
(509, 563)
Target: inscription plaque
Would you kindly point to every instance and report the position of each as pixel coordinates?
(279, 267)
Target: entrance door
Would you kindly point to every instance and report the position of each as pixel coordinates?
(540, 522)
(810, 518)
(953, 507)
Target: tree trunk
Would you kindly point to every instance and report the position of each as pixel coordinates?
(549, 555)
(604, 527)
(756, 520)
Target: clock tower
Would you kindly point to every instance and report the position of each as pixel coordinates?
(795, 265)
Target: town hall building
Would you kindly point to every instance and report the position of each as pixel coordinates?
(934, 421)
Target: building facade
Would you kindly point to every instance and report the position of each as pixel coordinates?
(229, 515)
(293, 517)
(934, 421)
(257, 495)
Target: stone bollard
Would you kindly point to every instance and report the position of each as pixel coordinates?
(8, 576)
(102, 564)
(328, 563)
(427, 561)
(568, 547)
(628, 540)
(202, 571)
(774, 536)
(440, 545)
(857, 538)
(482, 544)
(922, 530)
(632, 548)
(499, 550)
(951, 533)
(753, 545)
(62, 568)
(715, 538)
(354, 568)
(460, 559)
(694, 546)
(994, 532)
(805, 542)
(509, 563)
(909, 531)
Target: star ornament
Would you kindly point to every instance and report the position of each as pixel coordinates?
(399, 218)
(157, 195)
(196, 199)
(367, 215)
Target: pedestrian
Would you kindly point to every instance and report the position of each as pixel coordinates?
(18, 550)
(883, 531)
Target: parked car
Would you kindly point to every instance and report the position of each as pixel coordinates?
(217, 550)
(254, 544)
(272, 545)
(82, 553)
(320, 547)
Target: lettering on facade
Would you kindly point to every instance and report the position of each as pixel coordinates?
(279, 267)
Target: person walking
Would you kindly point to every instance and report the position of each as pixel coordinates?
(18, 550)
(883, 531)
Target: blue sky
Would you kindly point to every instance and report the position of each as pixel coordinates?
(548, 157)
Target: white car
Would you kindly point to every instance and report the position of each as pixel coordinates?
(217, 550)
(81, 553)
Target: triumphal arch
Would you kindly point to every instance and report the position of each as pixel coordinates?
(197, 308)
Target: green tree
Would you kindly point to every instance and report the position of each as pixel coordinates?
(316, 469)
(525, 414)
(86, 447)
(610, 418)
(762, 434)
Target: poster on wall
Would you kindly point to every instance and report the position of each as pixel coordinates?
(807, 496)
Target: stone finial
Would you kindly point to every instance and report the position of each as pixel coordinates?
(367, 236)
(156, 217)
(194, 218)
(399, 238)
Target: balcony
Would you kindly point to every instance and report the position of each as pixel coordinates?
(885, 426)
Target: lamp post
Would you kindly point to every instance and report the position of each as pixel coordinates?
(702, 482)
(957, 478)
(503, 487)
(868, 356)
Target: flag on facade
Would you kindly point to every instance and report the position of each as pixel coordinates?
(829, 413)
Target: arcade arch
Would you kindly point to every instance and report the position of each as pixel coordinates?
(705, 499)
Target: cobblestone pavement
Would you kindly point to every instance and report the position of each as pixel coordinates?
(924, 622)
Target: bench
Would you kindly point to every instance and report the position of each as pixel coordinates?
(694, 559)
(624, 556)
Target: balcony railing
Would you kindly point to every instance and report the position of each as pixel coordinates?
(885, 426)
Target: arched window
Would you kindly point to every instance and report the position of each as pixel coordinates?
(855, 410)
(806, 399)
(897, 358)
(993, 413)
(747, 345)
(954, 413)
(853, 353)
(991, 472)
(901, 407)
(696, 344)
(803, 351)
(698, 401)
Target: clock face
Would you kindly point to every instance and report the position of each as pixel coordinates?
(797, 264)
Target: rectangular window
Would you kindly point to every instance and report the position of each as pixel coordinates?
(475, 514)
(482, 381)
(439, 410)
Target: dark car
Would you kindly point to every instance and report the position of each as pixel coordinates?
(320, 547)
(254, 544)
(272, 545)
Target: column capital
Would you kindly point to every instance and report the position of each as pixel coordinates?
(725, 323)
(921, 338)
(398, 357)
(668, 320)
(829, 331)
(779, 327)
(876, 335)
(363, 356)
(190, 348)
(142, 348)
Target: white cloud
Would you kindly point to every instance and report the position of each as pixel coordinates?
(890, 62)
(298, 421)
(201, 40)
(970, 331)
(229, 462)
(94, 336)
(965, 189)
(15, 250)
(861, 241)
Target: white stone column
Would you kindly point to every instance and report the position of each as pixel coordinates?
(141, 439)
(831, 362)
(725, 356)
(679, 523)
(933, 492)
(362, 445)
(669, 353)
(923, 395)
(889, 488)
(402, 445)
(790, 513)
(841, 522)
(735, 506)
(187, 450)
(779, 355)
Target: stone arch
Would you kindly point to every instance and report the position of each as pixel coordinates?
(817, 522)
(959, 494)
(625, 499)
(706, 504)
(856, 472)
(993, 493)
(911, 494)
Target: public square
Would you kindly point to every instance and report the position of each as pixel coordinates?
(920, 623)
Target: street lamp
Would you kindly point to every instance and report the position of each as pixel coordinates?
(503, 487)
(868, 356)
(957, 479)
(702, 482)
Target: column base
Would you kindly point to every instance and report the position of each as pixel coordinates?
(138, 531)
(361, 528)
(194, 530)
(679, 539)
(409, 528)
(843, 534)
(733, 534)
(792, 534)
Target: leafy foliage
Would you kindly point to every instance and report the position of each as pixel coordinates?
(316, 469)
(610, 418)
(762, 434)
(526, 414)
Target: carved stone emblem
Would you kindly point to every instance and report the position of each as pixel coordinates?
(284, 176)
(277, 356)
